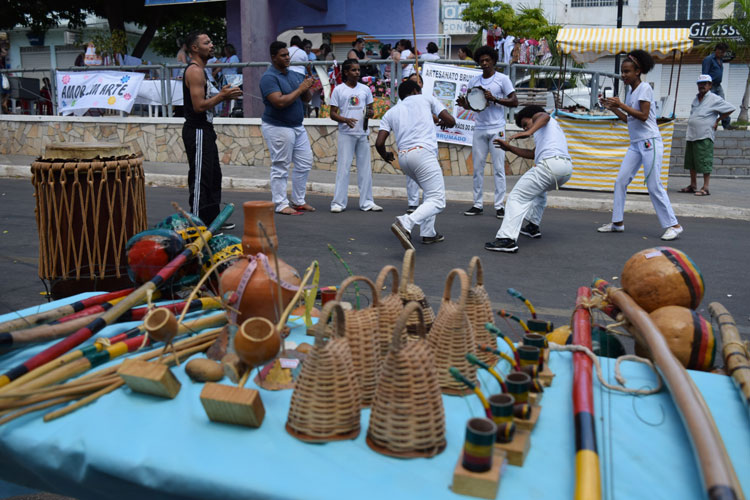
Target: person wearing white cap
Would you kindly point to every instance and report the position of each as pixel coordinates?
(707, 110)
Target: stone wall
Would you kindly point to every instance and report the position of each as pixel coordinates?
(239, 141)
(731, 152)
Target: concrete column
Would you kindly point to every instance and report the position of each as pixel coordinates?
(253, 23)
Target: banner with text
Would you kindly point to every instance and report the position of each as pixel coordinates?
(447, 83)
(80, 91)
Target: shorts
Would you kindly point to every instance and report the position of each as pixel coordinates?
(699, 156)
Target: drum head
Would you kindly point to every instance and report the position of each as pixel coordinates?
(476, 99)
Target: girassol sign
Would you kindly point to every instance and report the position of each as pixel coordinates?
(704, 31)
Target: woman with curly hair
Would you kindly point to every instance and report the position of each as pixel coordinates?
(646, 147)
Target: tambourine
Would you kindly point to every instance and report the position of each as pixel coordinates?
(475, 99)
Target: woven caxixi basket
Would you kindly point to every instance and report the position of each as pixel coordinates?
(409, 291)
(452, 338)
(389, 309)
(361, 334)
(479, 310)
(407, 418)
(326, 400)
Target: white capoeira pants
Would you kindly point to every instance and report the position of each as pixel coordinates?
(480, 146)
(288, 145)
(348, 146)
(422, 165)
(648, 153)
(528, 198)
(412, 192)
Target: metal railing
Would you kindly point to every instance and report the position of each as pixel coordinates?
(164, 72)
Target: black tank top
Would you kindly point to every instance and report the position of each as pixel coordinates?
(192, 118)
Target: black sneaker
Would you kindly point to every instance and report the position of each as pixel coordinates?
(227, 226)
(411, 209)
(428, 240)
(474, 211)
(402, 234)
(502, 245)
(500, 213)
(531, 230)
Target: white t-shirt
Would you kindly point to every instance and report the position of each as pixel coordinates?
(550, 141)
(409, 69)
(429, 57)
(493, 115)
(352, 103)
(297, 55)
(639, 130)
(411, 122)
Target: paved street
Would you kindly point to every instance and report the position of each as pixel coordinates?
(547, 270)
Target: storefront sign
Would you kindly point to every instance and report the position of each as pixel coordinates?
(704, 31)
(453, 24)
(80, 91)
(447, 83)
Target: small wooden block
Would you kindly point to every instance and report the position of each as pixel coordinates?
(531, 422)
(150, 378)
(535, 398)
(546, 376)
(233, 405)
(479, 484)
(517, 449)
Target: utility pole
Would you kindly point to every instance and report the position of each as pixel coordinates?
(617, 57)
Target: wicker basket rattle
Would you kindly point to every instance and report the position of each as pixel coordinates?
(409, 291)
(361, 334)
(479, 310)
(452, 338)
(326, 400)
(407, 418)
(389, 309)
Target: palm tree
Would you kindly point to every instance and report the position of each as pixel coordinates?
(740, 21)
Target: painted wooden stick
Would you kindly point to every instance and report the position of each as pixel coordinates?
(735, 351)
(58, 312)
(717, 472)
(132, 300)
(588, 479)
(191, 326)
(45, 333)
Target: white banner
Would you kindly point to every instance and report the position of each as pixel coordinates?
(80, 91)
(447, 83)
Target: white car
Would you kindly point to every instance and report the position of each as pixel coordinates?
(575, 93)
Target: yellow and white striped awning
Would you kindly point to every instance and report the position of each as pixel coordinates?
(597, 148)
(589, 44)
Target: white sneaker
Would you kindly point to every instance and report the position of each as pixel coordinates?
(373, 208)
(672, 233)
(611, 228)
(335, 209)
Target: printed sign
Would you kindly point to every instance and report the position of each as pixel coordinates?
(447, 83)
(80, 91)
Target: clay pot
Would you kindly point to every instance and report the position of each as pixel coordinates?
(253, 240)
(161, 324)
(257, 342)
(260, 297)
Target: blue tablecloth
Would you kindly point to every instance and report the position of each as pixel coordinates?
(129, 445)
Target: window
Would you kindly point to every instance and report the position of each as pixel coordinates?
(684, 10)
(596, 3)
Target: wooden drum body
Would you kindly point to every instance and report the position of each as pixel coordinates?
(90, 199)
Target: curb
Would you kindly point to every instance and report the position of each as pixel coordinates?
(558, 202)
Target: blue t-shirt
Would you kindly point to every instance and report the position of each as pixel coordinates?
(272, 81)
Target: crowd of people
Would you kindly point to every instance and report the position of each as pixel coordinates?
(285, 91)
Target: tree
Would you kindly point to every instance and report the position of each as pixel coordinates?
(41, 15)
(165, 41)
(740, 21)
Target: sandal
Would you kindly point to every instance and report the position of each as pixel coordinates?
(688, 189)
(289, 211)
(303, 208)
(702, 192)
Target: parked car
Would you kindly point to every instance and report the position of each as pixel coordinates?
(576, 88)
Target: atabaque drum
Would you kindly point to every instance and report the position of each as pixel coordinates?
(90, 199)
